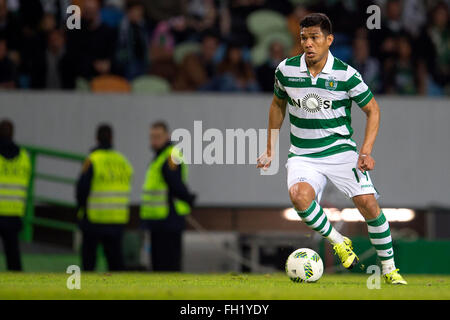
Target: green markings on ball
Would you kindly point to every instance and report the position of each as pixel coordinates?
(301, 254)
(315, 257)
(308, 270)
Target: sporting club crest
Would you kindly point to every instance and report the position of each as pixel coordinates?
(331, 83)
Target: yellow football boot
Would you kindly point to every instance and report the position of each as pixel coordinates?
(345, 252)
(394, 277)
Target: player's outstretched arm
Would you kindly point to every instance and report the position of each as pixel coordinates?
(277, 113)
(372, 111)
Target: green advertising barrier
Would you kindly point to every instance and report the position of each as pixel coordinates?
(411, 256)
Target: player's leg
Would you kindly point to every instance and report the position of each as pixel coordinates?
(305, 185)
(380, 235)
(358, 186)
(303, 197)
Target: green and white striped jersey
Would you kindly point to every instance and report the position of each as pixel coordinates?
(319, 108)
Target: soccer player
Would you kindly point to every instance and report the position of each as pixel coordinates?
(318, 90)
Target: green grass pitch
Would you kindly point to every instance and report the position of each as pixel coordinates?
(175, 286)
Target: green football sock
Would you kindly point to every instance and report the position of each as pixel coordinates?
(316, 219)
(380, 237)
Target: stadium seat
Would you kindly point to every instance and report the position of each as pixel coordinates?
(260, 52)
(150, 84)
(110, 83)
(262, 22)
(183, 49)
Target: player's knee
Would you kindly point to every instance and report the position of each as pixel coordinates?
(301, 196)
(368, 204)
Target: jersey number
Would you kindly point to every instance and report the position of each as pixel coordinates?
(356, 175)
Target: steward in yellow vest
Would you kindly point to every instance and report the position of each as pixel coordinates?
(15, 171)
(155, 191)
(165, 200)
(103, 195)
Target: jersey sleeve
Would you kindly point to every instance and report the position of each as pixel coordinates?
(357, 89)
(278, 88)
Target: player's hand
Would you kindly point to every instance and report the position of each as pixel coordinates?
(264, 161)
(366, 162)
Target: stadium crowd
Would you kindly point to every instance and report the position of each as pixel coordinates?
(216, 45)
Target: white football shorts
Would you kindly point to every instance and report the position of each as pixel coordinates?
(341, 169)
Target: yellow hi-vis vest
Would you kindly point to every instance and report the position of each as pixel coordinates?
(155, 193)
(14, 178)
(108, 200)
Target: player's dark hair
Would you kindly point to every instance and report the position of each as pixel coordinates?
(317, 19)
(104, 134)
(160, 124)
(6, 129)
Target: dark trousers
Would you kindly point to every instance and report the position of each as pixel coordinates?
(166, 250)
(9, 234)
(112, 247)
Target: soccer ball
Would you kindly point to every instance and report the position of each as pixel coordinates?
(304, 265)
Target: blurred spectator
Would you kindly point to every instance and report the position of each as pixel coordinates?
(201, 15)
(414, 16)
(48, 23)
(30, 12)
(148, 32)
(238, 13)
(282, 6)
(107, 82)
(159, 10)
(9, 27)
(133, 42)
(368, 66)
(56, 8)
(32, 51)
(51, 71)
(196, 70)
(112, 12)
(224, 18)
(55, 69)
(406, 74)
(95, 41)
(266, 72)
(294, 27)
(32, 40)
(117, 4)
(209, 48)
(393, 16)
(439, 33)
(196, 17)
(382, 40)
(161, 52)
(13, 5)
(349, 8)
(234, 74)
(7, 68)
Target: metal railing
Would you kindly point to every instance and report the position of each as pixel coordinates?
(29, 219)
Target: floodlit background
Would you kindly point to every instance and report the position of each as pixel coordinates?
(135, 62)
